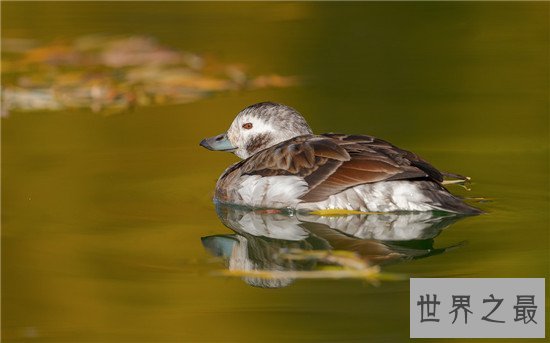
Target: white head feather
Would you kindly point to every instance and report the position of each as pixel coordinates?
(265, 124)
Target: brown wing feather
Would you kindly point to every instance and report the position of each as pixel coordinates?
(332, 163)
(299, 156)
(372, 160)
(401, 157)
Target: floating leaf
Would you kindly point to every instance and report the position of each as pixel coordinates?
(111, 74)
(332, 264)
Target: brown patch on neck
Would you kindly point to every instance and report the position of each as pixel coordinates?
(257, 143)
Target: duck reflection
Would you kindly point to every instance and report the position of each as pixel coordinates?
(268, 243)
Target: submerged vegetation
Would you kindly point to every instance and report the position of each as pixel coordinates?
(329, 265)
(108, 74)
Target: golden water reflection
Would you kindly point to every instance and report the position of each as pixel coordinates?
(271, 249)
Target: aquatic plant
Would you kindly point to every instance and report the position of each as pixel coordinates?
(110, 74)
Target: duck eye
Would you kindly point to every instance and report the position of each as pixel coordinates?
(247, 126)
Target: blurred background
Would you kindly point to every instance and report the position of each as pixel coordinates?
(104, 205)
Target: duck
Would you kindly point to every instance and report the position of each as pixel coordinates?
(284, 165)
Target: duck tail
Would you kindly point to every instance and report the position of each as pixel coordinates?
(456, 205)
(443, 200)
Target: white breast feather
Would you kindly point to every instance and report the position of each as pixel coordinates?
(285, 191)
(271, 191)
(376, 197)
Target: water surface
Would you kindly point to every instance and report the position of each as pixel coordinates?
(102, 216)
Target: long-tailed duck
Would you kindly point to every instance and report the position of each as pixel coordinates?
(286, 166)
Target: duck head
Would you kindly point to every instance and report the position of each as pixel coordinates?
(257, 127)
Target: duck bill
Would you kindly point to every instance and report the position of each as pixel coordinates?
(218, 143)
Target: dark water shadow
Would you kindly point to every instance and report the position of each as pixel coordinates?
(271, 250)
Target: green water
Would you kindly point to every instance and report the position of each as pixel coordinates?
(102, 217)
